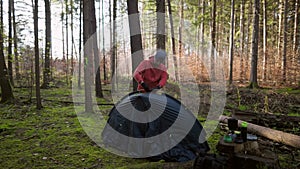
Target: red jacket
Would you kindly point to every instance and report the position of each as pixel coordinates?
(152, 76)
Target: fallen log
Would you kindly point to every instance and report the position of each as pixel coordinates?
(275, 135)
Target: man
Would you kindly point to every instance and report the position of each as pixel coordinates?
(152, 74)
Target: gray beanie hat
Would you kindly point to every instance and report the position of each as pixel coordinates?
(160, 55)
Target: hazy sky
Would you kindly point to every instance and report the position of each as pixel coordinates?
(24, 8)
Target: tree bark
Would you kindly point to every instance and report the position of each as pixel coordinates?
(96, 54)
(114, 47)
(67, 41)
(231, 43)
(296, 28)
(265, 57)
(253, 73)
(283, 64)
(47, 69)
(72, 39)
(135, 37)
(89, 24)
(250, 8)
(10, 39)
(80, 44)
(160, 29)
(63, 32)
(280, 13)
(6, 89)
(173, 40)
(17, 66)
(213, 40)
(242, 39)
(275, 135)
(37, 56)
(101, 24)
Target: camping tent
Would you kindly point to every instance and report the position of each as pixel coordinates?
(155, 126)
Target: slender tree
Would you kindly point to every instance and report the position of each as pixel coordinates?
(67, 40)
(242, 38)
(253, 73)
(80, 44)
(173, 40)
(98, 87)
(63, 32)
(37, 57)
(296, 26)
(46, 72)
(284, 41)
(16, 53)
(213, 38)
(160, 29)
(114, 46)
(72, 37)
(296, 37)
(6, 89)
(180, 39)
(103, 43)
(280, 13)
(265, 59)
(250, 8)
(10, 40)
(232, 25)
(89, 20)
(137, 54)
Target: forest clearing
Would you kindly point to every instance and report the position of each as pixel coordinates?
(150, 84)
(53, 137)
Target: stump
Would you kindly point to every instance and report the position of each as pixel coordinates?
(246, 155)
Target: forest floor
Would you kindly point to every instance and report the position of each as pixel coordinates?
(54, 138)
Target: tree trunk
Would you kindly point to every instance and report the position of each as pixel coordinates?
(37, 57)
(284, 41)
(160, 29)
(275, 135)
(67, 41)
(280, 13)
(47, 69)
(17, 70)
(98, 87)
(202, 31)
(63, 32)
(135, 37)
(6, 89)
(80, 43)
(114, 47)
(242, 38)
(89, 21)
(296, 40)
(72, 39)
(265, 57)
(213, 40)
(296, 28)
(173, 40)
(103, 44)
(253, 73)
(250, 8)
(180, 44)
(10, 39)
(231, 43)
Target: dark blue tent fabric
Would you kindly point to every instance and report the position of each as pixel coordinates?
(187, 149)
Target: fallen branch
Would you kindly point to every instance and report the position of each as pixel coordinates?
(71, 102)
(275, 135)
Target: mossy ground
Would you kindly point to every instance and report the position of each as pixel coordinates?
(54, 138)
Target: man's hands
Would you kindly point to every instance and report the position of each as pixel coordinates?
(147, 89)
(145, 86)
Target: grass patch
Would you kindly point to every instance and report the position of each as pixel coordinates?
(50, 138)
